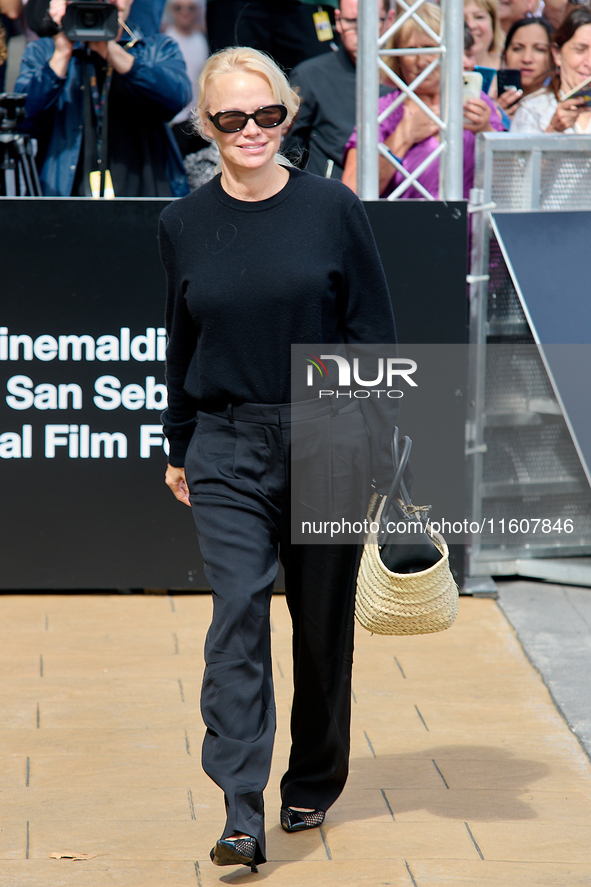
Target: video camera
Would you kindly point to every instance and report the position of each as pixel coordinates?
(90, 20)
(12, 110)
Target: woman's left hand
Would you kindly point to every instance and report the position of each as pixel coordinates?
(176, 480)
(477, 112)
(509, 100)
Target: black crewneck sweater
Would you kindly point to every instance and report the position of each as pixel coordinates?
(246, 280)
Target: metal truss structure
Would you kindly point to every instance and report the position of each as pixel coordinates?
(371, 52)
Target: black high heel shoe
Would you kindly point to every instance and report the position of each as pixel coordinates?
(235, 851)
(299, 820)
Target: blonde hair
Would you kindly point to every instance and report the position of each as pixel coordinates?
(430, 14)
(491, 7)
(236, 59)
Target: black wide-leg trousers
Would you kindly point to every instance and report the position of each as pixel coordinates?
(238, 473)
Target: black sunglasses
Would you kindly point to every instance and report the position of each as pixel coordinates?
(234, 121)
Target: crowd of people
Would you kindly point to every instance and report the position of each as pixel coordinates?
(117, 116)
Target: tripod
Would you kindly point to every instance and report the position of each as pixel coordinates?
(18, 172)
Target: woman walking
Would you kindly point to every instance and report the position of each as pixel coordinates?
(263, 257)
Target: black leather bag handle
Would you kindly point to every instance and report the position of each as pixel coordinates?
(398, 489)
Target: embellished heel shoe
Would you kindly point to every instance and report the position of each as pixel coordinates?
(235, 851)
(299, 820)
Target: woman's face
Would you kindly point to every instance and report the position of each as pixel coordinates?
(413, 65)
(252, 147)
(481, 28)
(529, 51)
(574, 58)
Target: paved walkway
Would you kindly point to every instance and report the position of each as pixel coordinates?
(462, 771)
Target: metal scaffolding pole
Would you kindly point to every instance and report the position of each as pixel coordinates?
(449, 48)
(368, 84)
(451, 182)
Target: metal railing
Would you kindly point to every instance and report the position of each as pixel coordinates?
(448, 50)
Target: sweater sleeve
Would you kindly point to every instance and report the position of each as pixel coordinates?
(369, 320)
(179, 417)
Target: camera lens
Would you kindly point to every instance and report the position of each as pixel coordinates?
(88, 19)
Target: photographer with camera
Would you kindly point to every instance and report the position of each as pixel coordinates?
(99, 107)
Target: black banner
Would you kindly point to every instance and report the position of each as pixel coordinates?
(82, 456)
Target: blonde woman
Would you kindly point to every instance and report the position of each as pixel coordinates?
(262, 257)
(482, 18)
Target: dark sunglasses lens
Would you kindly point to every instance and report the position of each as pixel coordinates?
(270, 116)
(232, 121)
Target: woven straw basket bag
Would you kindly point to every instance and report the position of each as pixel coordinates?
(404, 603)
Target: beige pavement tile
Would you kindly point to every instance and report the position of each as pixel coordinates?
(534, 841)
(396, 771)
(284, 847)
(126, 714)
(456, 716)
(499, 770)
(360, 804)
(402, 663)
(13, 841)
(87, 743)
(114, 644)
(191, 689)
(312, 873)
(18, 713)
(506, 689)
(71, 802)
(98, 689)
(151, 608)
(123, 839)
(503, 771)
(546, 745)
(117, 664)
(443, 873)
(392, 716)
(14, 771)
(47, 771)
(393, 840)
(99, 873)
(485, 805)
(157, 840)
(453, 718)
(16, 665)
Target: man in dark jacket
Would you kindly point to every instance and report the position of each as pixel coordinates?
(326, 83)
(102, 107)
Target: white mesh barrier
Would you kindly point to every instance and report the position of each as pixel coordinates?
(531, 172)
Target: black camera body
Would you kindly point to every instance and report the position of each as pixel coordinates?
(90, 21)
(12, 110)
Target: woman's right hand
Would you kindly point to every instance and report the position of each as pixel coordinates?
(415, 126)
(176, 480)
(565, 115)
